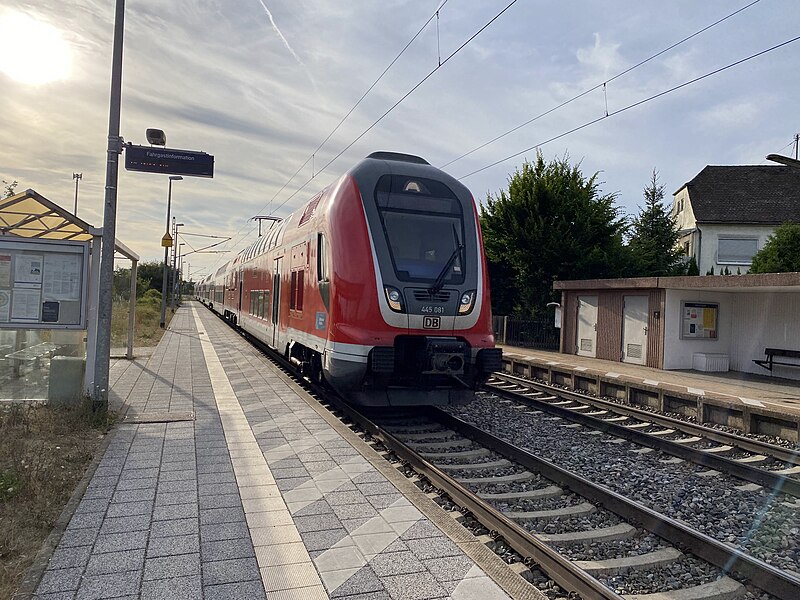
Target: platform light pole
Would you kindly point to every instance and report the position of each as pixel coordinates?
(784, 160)
(164, 287)
(175, 252)
(179, 272)
(77, 177)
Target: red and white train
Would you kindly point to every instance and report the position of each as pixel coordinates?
(378, 285)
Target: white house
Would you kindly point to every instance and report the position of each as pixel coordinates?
(726, 213)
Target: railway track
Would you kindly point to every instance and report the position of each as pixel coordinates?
(757, 462)
(491, 474)
(504, 488)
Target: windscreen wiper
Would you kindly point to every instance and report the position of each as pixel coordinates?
(437, 285)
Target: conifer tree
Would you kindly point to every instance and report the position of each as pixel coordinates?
(551, 223)
(781, 253)
(654, 236)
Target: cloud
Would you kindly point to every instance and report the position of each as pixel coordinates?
(603, 59)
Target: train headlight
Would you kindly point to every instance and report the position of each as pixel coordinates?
(467, 302)
(394, 298)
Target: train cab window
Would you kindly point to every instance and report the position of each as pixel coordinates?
(322, 258)
(423, 224)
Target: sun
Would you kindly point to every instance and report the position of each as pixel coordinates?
(31, 51)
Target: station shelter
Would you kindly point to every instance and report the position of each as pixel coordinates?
(49, 289)
(704, 323)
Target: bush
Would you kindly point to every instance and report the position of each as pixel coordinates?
(150, 298)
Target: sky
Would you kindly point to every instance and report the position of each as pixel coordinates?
(261, 83)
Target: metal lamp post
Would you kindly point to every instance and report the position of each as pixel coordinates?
(77, 177)
(179, 272)
(164, 288)
(174, 276)
(784, 160)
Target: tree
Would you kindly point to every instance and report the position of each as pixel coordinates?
(552, 223)
(9, 189)
(149, 276)
(654, 237)
(781, 253)
(691, 267)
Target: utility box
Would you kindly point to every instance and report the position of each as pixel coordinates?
(710, 363)
(66, 380)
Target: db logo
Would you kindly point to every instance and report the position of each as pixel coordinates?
(431, 322)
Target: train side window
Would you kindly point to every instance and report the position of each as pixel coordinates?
(296, 291)
(299, 302)
(322, 258)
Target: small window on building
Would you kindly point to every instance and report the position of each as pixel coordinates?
(736, 251)
(686, 248)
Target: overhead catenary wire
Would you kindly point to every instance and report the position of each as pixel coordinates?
(602, 84)
(384, 115)
(633, 105)
(311, 157)
(402, 98)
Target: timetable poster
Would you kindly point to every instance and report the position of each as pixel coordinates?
(62, 276)
(5, 305)
(28, 268)
(26, 304)
(5, 270)
(700, 320)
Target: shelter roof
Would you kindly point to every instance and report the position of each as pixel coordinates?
(751, 282)
(31, 215)
(756, 194)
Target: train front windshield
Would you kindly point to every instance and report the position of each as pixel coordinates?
(423, 224)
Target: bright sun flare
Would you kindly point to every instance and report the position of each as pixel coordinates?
(31, 51)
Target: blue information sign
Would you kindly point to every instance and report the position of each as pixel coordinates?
(168, 161)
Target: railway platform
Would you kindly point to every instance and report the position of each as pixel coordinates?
(224, 479)
(751, 403)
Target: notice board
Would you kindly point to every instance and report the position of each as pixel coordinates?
(699, 320)
(43, 284)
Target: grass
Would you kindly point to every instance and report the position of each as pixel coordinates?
(147, 331)
(44, 452)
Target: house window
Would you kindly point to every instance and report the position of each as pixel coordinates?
(686, 248)
(736, 251)
(678, 206)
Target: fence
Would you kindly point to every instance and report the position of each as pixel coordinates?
(539, 333)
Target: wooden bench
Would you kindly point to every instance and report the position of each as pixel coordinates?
(771, 353)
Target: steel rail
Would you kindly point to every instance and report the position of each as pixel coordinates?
(562, 570)
(559, 568)
(764, 576)
(723, 437)
(745, 471)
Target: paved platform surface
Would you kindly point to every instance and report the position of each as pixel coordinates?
(770, 391)
(257, 496)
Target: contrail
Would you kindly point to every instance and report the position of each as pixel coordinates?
(280, 35)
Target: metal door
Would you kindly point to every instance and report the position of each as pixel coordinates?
(586, 343)
(276, 302)
(634, 329)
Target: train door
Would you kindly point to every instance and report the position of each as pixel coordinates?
(276, 302)
(634, 329)
(587, 326)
